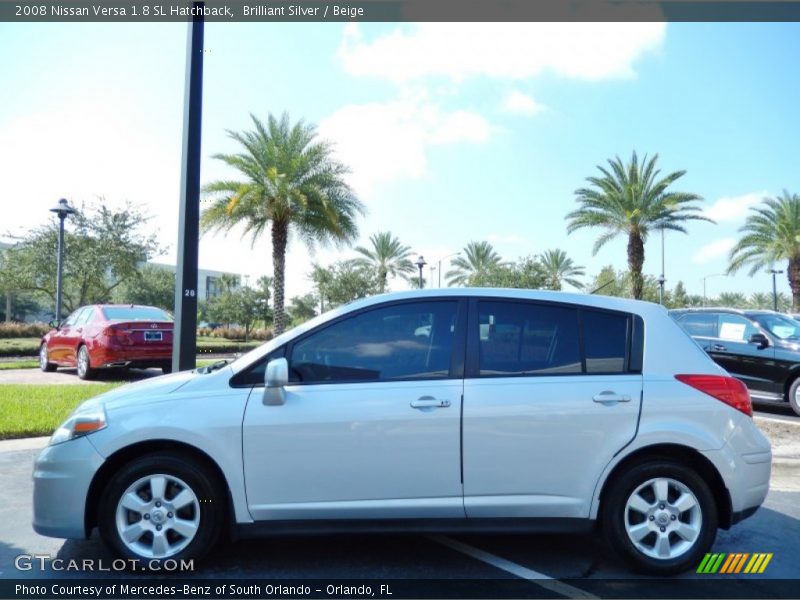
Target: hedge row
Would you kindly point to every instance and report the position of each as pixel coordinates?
(30, 347)
(23, 330)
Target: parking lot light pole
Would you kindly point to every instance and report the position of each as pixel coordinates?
(63, 210)
(774, 289)
(420, 264)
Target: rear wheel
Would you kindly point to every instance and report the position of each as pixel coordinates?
(161, 506)
(44, 360)
(85, 370)
(794, 396)
(660, 516)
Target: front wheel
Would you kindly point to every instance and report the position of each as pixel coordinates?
(161, 506)
(44, 360)
(794, 396)
(661, 516)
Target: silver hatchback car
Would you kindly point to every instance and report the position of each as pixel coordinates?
(476, 409)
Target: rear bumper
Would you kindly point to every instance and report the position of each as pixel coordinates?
(130, 356)
(62, 475)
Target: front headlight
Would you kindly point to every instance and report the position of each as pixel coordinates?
(79, 423)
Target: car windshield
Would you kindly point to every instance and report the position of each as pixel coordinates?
(135, 313)
(781, 327)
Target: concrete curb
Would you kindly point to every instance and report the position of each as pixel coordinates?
(23, 444)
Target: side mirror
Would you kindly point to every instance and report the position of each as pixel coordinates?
(53, 324)
(276, 376)
(759, 339)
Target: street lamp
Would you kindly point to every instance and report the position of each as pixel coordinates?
(439, 263)
(661, 279)
(420, 263)
(774, 289)
(704, 283)
(63, 210)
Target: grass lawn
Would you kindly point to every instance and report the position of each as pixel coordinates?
(19, 364)
(19, 346)
(33, 410)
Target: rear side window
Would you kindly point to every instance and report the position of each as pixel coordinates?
(403, 341)
(699, 324)
(605, 340)
(527, 339)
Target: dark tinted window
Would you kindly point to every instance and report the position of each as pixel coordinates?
(254, 375)
(403, 341)
(735, 328)
(699, 324)
(525, 339)
(605, 341)
(135, 313)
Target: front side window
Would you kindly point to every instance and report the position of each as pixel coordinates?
(735, 328)
(781, 327)
(527, 339)
(397, 342)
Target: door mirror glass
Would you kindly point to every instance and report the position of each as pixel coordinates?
(759, 339)
(276, 376)
(53, 323)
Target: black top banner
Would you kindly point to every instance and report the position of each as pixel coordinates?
(156, 11)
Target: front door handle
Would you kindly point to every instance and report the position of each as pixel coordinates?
(609, 396)
(716, 348)
(429, 402)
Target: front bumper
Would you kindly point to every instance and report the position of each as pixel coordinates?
(62, 475)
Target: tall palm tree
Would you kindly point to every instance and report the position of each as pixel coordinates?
(731, 299)
(760, 300)
(479, 258)
(388, 257)
(633, 200)
(291, 184)
(771, 234)
(559, 268)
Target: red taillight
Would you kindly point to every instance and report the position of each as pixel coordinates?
(727, 389)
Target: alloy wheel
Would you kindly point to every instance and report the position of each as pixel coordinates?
(663, 518)
(157, 516)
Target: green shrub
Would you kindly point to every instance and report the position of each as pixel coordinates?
(23, 330)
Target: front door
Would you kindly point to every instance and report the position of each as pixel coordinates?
(551, 394)
(370, 426)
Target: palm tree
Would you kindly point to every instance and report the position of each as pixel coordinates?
(633, 199)
(479, 258)
(387, 257)
(760, 300)
(731, 299)
(771, 234)
(291, 183)
(560, 268)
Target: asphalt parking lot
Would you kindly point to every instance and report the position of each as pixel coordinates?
(542, 562)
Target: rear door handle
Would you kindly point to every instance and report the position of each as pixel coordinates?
(429, 402)
(609, 396)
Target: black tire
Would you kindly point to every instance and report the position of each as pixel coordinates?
(211, 504)
(85, 370)
(615, 514)
(44, 364)
(166, 368)
(794, 401)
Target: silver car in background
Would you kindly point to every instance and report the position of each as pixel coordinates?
(476, 409)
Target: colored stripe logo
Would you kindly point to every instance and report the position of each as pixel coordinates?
(736, 562)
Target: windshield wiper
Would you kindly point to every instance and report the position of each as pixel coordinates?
(214, 366)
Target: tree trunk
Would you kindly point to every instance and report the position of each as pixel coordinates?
(793, 274)
(635, 263)
(280, 235)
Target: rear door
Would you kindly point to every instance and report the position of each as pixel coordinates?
(551, 393)
(753, 365)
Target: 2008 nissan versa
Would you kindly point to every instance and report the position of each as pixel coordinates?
(471, 409)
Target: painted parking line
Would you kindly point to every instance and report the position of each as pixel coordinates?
(518, 570)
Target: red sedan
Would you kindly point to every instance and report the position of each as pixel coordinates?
(104, 336)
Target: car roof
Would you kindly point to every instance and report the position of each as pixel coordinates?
(739, 311)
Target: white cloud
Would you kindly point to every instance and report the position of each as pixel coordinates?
(385, 141)
(733, 208)
(713, 250)
(588, 51)
(521, 103)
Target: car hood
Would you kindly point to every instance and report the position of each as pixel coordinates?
(143, 392)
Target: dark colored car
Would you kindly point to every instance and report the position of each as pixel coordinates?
(759, 347)
(105, 336)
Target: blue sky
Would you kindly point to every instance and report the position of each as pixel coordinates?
(454, 132)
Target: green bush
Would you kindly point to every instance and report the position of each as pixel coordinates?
(23, 330)
(234, 333)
